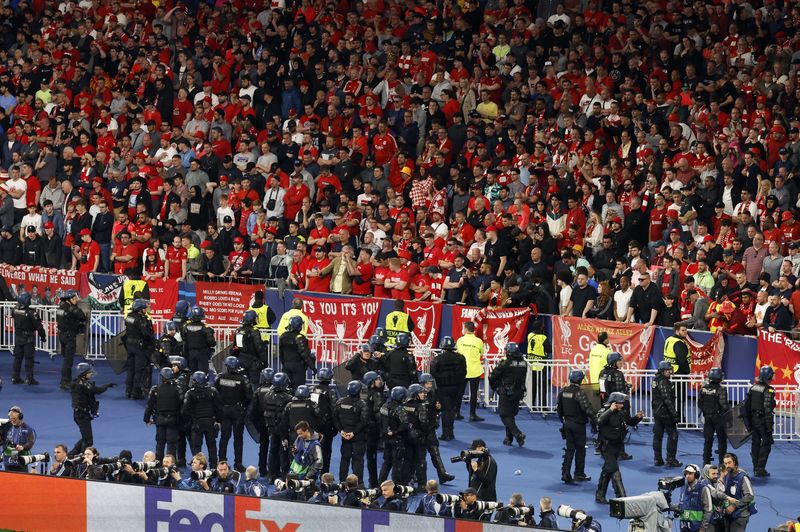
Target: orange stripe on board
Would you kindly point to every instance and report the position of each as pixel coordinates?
(35, 503)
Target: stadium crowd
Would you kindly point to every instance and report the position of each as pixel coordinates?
(618, 160)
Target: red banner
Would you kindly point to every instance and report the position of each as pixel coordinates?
(426, 317)
(163, 296)
(573, 338)
(495, 327)
(783, 355)
(330, 321)
(703, 357)
(224, 303)
(45, 285)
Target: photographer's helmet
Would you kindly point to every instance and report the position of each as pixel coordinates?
(354, 388)
(199, 378)
(398, 393)
(82, 369)
(716, 375)
(447, 343)
(613, 358)
(139, 305)
(232, 363)
(325, 374)
(280, 381)
(616, 397)
(302, 392)
(370, 377)
(415, 389)
(576, 376)
(766, 373)
(403, 340)
(249, 317)
(197, 314)
(267, 376)
(166, 374)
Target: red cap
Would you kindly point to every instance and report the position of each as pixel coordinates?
(787, 215)
(491, 228)
(85, 232)
(207, 244)
(238, 240)
(149, 252)
(405, 255)
(49, 225)
(505, 162)
(616, 220)
(708, 238)
(676, 231)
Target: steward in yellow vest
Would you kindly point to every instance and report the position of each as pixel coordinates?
(538, 347)
(676, 351)
(296, 310)
(132, 288)
(264, 315)
(598, 357)
(397, 321)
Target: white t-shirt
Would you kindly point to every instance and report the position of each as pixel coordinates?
(16, 185)
(563, 298)
(759, 312)
(31, 219)
(622, 300)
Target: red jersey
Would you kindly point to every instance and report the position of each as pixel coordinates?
(120, 250)
(364, 288)
(175, 258)
(237, 259)
(90, 251)
(380, 273)
(402, 275)
(318, 284)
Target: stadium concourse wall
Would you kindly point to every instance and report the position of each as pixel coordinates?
(42, 504)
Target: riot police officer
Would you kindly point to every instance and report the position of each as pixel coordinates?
(449, 368)
(508, 381)
(350, 418)
(714, 405)
(294, 353)
(429, 419)
(758, 414)
(26, 324)
(235, 393)
(300, 408)
(163, 408)
(202, 408)
(394, 424)
(362, 362)
(378, 341)
(398, 364)
(575, 411)
(324, 403)
(257, 417)
(71, 321)
(416, 462)
(198, 340)
(85, 405)
(168, 345)
(139, 343)
(613, 421)
(182, 377)
(373, 395)
(665, 416)
(612, 380)
(250, 347)
(272, 405)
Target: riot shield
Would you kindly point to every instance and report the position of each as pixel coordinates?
(116, 353)
(737, 432)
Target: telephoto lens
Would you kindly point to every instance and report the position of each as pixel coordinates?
(144, 467)
(368, 494)
(280, 484)
(488, 505)
(518, 511)
(44, 457)
(297, 485)
(202, 475)
(403, 491)
(444, 498)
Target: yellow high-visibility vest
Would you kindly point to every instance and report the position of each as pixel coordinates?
(284, 321)
(261, 320)
(536, 351)
(598, 359)
(669, 352)
(130, 287)
(396, 323)
(471, 348)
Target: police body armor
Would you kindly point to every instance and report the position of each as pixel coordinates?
(197, 336)
(70, 319)
(536, 353)
(664, 398)
(202, 403)
(273, 403)
(138, 330)
(323, 408)
(612, 425)
(374, 400)
(570, 405)
(301, 410)
(167, 402)
(612, 380)
(428, 415)
(412, 409)
(514, 373)
(232, 388)
(759, 405)
(393, 419)
(250, 347)
(400, 367)
(448, 366)
(710, 400)
(167, 346)
(83, 398)
(352, 414)
(26, 323)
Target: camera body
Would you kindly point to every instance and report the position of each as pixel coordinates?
(331, 489)
(671, 483)
(468, 455)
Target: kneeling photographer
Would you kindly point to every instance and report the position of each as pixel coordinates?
(394, 497)
(435, 503)
(251, 485)
(482, 470)
(294, 488)
(351, 495)
(328, 492)
(469, 507)
(516, 513)
(224, 479)
(198, 478)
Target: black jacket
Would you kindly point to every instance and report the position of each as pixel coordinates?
(449, 369)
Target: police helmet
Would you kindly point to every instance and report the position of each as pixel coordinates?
(333, 390)
(197, 313)
(280, 381)
(166, 374)
(398, 393)
(139, 305)
(716, 375)
(325, 374)
(576, 376)
(302, 392)
(425, 378)
(664, 366)
(170, 326)
(370, 377)
(616, 397)
(176, 360)
(512, 348)
(267, 376)
(367, 347)
(199, 378)
(354, 388)
(82, 369)
(447, 343)
(766, 373)
(403, 340)
(232, 363)
(249, 317)
(375, 341)
(295, 324)
(380, 332)
(181, 309)
(613, 358)
(24, 299)
(415, 389)
(69, 294)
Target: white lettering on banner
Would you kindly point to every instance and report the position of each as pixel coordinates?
(114, 507)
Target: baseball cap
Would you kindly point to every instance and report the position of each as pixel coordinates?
(85, 232)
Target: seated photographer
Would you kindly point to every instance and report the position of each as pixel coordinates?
(391, 501)
(293, 488)
(90, 460)
(61, 466)
(482, 471)
(350, 486)
(140, 475)
(547, 516)
(199, 465)
(328, 492)
(251, 485)
(167, 475)
(468, 507)
(516, 513)
(428, 505)
(307, 461)
(225, 480)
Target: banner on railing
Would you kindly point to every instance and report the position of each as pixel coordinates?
(573, 338)
(426, 317)
(495, 327)
(345, 318)
(163, 296)
(783, 354)
(224, 303)
(45, 285)
(705, 356)
(102, 290)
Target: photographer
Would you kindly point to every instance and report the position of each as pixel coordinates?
(251, 485)
(516, 513)
(90, 459)
(61, 466)
(482, 471)
(172, 477)
(741, 499)
(350, 487)
(696, 508)
(328, 492)
(18, 439)
(391, 501)
(199, 464)
(143, 475)
(307, 461)
(224, 480)
(467, 507)
(428, 505)
(547, 517)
